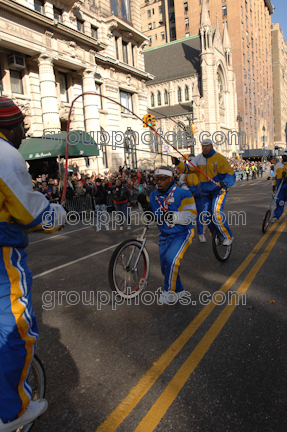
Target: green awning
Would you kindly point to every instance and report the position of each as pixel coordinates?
(81, 144)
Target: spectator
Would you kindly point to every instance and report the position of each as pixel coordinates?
(100, 197)
(121, 197)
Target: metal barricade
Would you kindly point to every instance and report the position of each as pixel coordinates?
(79, 204)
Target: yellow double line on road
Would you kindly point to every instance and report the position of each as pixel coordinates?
(162, 404)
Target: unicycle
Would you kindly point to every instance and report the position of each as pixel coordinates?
(129, 267)
(221, 252)
(270, 212)
(37, 383)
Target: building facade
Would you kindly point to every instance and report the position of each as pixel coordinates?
(195, 82)
(279, 63)
(249, 24)
(52, 51)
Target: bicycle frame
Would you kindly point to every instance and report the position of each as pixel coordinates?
(142, 239)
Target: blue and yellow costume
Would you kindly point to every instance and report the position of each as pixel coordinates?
(191, 182)
(174, 240)
(280, 167)
(21, 210)
(215, 166)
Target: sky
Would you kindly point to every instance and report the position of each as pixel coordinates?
(280, 15)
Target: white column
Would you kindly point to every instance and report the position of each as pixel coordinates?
(49, 102)
(91, 109)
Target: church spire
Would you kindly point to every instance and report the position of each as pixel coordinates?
(226, 40)
(205, 20)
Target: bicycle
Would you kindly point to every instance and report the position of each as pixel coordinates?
(270, 212)
(37, 382)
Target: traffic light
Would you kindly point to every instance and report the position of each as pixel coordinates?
(193, 129)
(149, 120)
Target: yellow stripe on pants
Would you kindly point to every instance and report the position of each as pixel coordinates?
(18, 310)
(177, 262)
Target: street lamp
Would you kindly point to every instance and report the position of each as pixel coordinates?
(239, 120)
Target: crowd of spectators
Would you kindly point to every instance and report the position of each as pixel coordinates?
(102, 188)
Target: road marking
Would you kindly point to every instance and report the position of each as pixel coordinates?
(73, 262)
(146, 382)
(59, 235)
(159, 408)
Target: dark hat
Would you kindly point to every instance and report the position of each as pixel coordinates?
(9, 112)
(98, 180)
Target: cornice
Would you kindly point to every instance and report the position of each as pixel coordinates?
(38, 18)
(119, 24)
(122, 66)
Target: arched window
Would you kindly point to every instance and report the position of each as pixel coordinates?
(186, 92)
(165, 97)
(179, 94)
(159, 98)
(152, 99)
(220, 87)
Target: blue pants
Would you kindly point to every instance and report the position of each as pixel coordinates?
(171, 250)
(18, 332)
(214, 204)
(282, 198)
(198, 203)
(123, 208)
(102, 216)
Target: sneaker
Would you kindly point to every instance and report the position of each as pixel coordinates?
(227, 242)
(129, 227)
(274, 219)
(121, 228)
(202, 238)
(170, 298)
(33, 410)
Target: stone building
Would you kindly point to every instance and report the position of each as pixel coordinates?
(195, 74)
(249, 24)
(53, 50)
(279, 62)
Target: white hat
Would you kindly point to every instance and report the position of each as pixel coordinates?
(206, 141)
(284, 153)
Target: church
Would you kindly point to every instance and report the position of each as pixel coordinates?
(194, 84)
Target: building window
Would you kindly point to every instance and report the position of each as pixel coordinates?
(186, 93)
(62, 79)
(162, 36)
(159, 98)
(187, 34)
(133, 53)
(245, 103)
(125, 52)
(185, 5)
(224, 10)
(171, 17)
(149, 40)
(39, 6)
(16, 82)
(179, 94)
(241, 10)
(58, 14)
(249, 93)
(152, 100)
(170, 3)
(80, 25)
(153, 11)
(172, 33)
(165, 97)
(121, 9)
(249, 79)
(186, 22)
(245, 88)
(149, 26)
(245, 75)
(126, 101)
(117, 47)
(94, 32)
(160, 9)
(99, 98)
(148, 13)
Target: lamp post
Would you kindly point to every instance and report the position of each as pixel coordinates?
(263, 141)
(239, 120)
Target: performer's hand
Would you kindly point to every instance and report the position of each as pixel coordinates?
(223, 185)
(168, 217)
(175, 160)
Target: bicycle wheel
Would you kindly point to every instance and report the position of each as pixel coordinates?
(221, 252)
(37, 382)
(266, 221)
(128, 269)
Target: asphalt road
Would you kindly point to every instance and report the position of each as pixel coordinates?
(138, 367)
